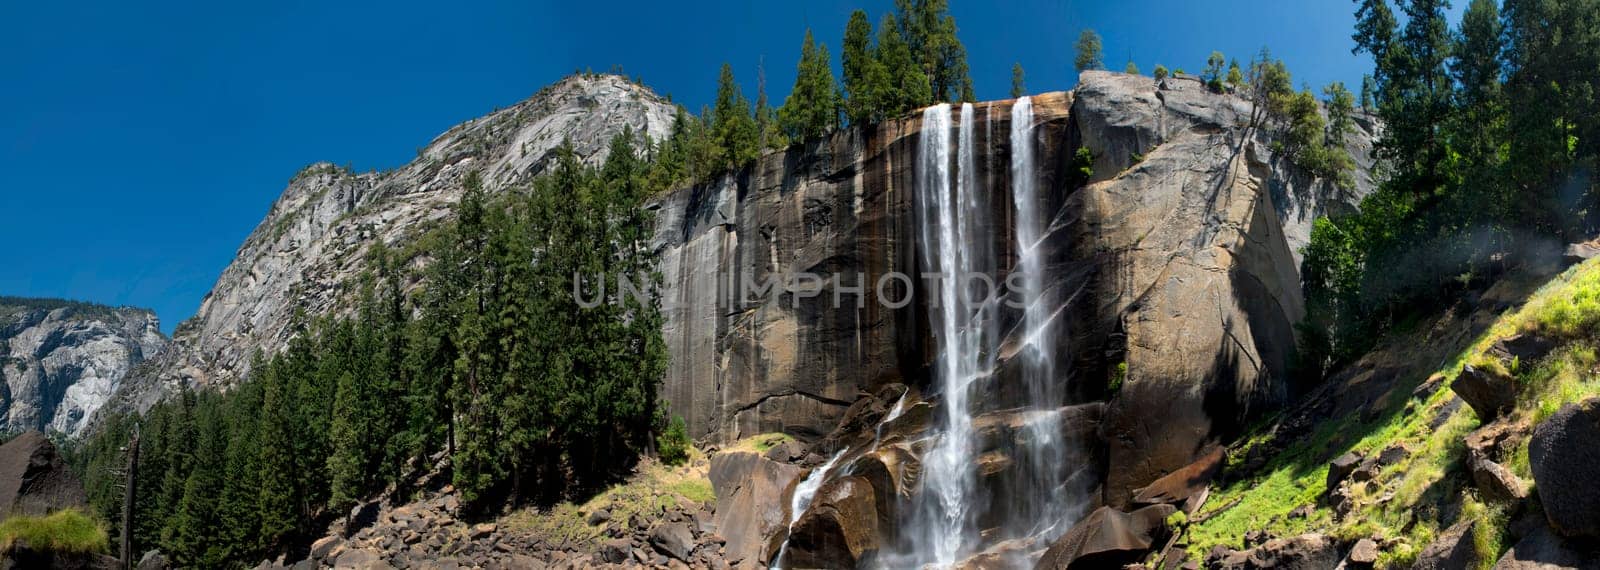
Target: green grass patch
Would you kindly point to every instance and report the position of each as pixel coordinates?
(697, 490)
(760, 443)
(650, 493)
(67, 530)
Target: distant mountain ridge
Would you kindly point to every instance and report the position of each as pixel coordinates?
(61, 360)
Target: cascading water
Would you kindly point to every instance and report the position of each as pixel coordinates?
(956, 248)
(951, 245)
(801, 500)
(1043, 450)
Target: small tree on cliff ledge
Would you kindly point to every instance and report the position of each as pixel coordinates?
(1090, 55)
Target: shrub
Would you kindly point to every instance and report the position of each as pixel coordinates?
(674, 442)
(67, 530)
(1161, 72)
(1082, 167)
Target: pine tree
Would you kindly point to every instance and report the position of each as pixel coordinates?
(1235, 78)
(1131, 69)
(864, 76)
(812, 107)
(1367, 93)
(347, 432)
(1089, 55)
(929, 32)
(1213, 75)
(243, 470)
(767, 124)
(1017, 87)
(732, 123)
(194, 538)
(1340, 105)
(277, 499)
(180, 440)
(907, 86)
(1552, 52)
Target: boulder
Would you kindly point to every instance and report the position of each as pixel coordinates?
(615, 551)
(599, 517)
(361, 559)
(153, 560)
(1341, 468)
(1580, 252)
(1108, 538)
(1363, 555)
(1451, 550)
(1489, 393)
(787, 452)
(841, 529)
(34, 479)
(1565, 456)
(673, 539)
(1303, 552)
(752, 493)
(1185, 488)
(1495, 482)
(1525, 347)
(1543, 550)
(326, 547)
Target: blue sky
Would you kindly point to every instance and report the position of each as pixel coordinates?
(141, 142)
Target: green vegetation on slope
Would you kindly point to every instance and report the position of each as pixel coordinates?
(1409, 500)
(67, 530)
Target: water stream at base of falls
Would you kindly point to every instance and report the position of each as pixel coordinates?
(804, 492)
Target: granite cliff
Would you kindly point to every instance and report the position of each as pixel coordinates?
(62, 360)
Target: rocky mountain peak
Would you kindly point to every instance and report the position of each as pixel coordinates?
(303, 255)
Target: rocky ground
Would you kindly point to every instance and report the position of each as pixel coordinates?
(660, 518)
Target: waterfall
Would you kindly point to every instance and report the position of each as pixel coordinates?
(1043, 453)
(952, 245)
(801, 500)
(957, 241)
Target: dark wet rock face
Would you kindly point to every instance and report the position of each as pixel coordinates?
(1565, 456)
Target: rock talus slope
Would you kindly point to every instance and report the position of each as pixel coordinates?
(62, 360)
